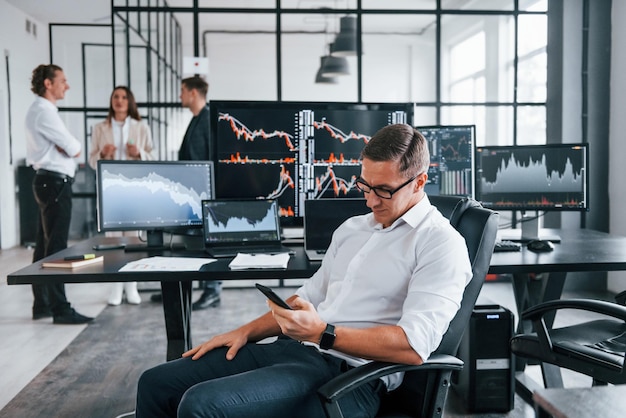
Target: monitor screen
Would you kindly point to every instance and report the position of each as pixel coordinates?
(451, 159)
(152, 195)
(236, 221)
(533, 177)
(291, 152)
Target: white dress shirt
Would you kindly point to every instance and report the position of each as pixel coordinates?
(44, 132)
(411, 274)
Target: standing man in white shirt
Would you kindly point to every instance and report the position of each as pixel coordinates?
(50, 150)
(388, 287)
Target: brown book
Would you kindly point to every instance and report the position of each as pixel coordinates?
(70, 264)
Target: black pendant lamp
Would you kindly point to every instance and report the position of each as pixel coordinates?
(334, 66)
(345, 42)
(322, 79)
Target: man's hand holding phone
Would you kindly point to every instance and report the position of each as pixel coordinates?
(271, 295)
(299, 320)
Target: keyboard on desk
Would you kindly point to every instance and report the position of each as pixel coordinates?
(219, 252)
(505, 246)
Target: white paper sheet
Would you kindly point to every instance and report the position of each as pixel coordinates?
(167, 264)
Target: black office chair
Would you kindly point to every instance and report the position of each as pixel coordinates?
(594, 348)
(425, 387)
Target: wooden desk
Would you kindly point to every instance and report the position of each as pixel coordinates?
(580, 250)
(597, 401)
(176, 286)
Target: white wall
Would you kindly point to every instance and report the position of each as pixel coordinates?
(617, 138)
(25, 53)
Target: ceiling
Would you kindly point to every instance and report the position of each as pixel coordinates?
(99, 12)
(66, 11)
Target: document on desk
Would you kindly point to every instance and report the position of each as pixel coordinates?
(259, 261)
(167, 264)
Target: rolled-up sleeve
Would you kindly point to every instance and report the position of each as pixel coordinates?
(435, 292)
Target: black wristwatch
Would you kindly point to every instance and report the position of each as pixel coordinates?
(328, 337)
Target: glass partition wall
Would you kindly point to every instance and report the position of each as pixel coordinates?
(479, 62)
(460, 62)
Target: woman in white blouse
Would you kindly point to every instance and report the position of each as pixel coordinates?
(122, 136)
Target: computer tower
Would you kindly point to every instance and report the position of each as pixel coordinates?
(486, 382)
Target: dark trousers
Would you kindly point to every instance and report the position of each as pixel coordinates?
(54, 198)
(210, 286)
(279, 379)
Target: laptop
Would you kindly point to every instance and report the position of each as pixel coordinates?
(241, 226)
(322, 217)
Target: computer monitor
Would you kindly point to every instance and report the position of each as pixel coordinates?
(451, 170)
(152, 196)
(294, 151)
(551, 177)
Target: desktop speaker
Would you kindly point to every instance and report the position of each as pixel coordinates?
(486, 382)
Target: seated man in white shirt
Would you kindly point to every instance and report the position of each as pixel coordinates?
(387, 289)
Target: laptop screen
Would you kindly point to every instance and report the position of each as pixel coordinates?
(240, 221)
(323, 216)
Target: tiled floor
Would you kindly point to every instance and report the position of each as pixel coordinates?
(27, 346)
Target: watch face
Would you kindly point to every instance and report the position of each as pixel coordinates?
(328, 337)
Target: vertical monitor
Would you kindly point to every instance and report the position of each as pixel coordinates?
(451, 170)
(292, 151)
(152, 195)
(533, 177)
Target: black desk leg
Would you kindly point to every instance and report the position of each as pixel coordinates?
(530, 292)
(177, 311)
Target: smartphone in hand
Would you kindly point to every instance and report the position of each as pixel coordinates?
(269, 293)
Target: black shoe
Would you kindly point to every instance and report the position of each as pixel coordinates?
(46, 313)
(71, 317)
(156, 297)
(207, 300)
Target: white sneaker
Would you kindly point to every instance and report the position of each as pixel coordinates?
(115, 298)
(132, 296)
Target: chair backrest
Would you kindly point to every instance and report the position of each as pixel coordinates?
(479, 227)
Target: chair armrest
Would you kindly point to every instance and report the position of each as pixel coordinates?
(607, 308)
(354, 378)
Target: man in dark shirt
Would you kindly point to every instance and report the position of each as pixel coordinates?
(196, 143)
(197, 146)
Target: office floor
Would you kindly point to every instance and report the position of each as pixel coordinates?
(28, 347)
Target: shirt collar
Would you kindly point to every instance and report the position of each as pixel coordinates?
(411, 217)
(45, 102)
(122, 123)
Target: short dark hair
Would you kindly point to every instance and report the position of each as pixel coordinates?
(196, 83)
(41, 73)
(402, 143)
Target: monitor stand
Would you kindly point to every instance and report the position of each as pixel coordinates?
(530, 231)
(154, 244)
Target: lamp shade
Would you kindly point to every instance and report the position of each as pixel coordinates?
(334, 66)
(320, 78)
(345, 42)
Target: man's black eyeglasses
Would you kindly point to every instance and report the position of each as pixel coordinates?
(380, 192)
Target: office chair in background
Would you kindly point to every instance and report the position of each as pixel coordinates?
(594, 348)
(425, 387)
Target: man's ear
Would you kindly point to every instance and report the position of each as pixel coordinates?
(421, 181)
(47, 83)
